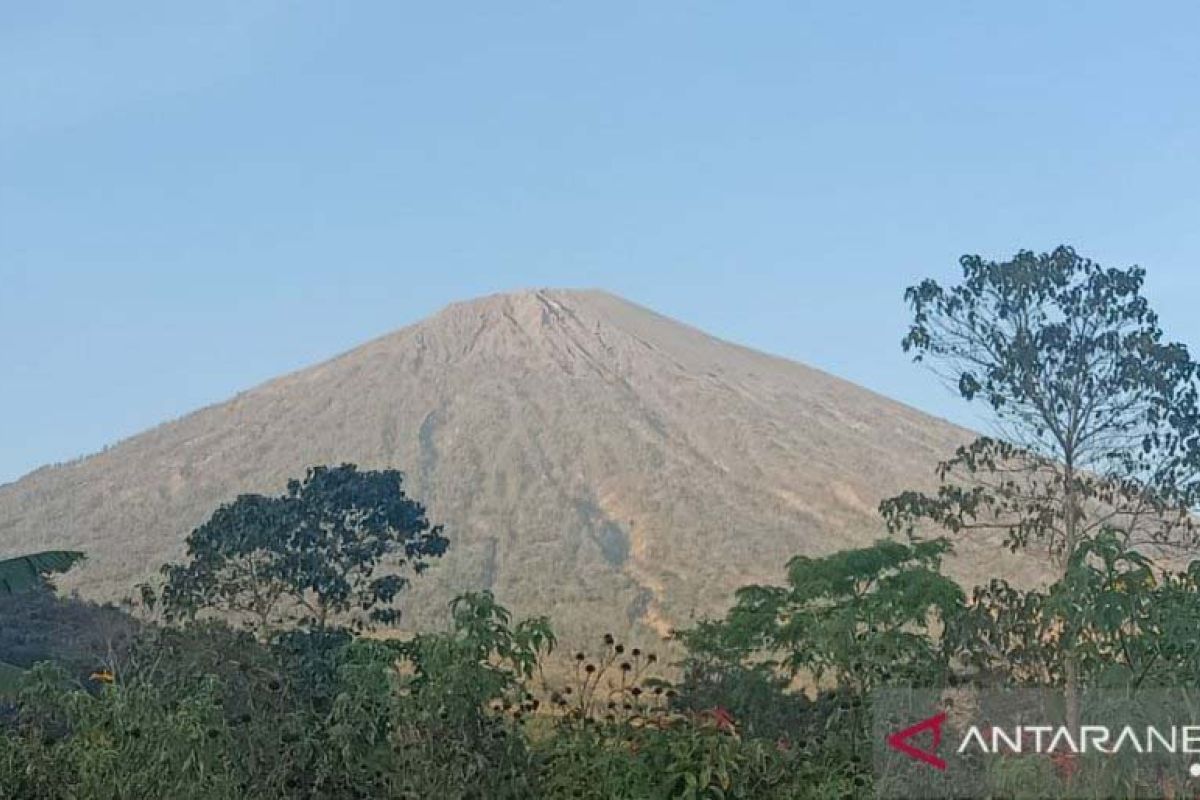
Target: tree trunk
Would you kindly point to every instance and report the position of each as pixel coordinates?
(1071, 663)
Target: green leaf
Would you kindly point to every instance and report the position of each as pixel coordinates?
(26, 572)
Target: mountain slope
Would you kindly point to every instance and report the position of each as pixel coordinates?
(589, 458)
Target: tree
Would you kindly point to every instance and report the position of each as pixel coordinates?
(1096, 413)
(863, 618)
(330, 548)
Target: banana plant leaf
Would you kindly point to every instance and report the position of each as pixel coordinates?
(10, 679)
(25, 572)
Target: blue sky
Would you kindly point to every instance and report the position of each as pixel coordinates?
(195, 200)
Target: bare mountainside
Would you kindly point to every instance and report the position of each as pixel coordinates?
(589, 458)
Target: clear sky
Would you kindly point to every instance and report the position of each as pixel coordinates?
(195, 200)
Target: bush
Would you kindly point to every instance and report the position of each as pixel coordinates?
(209, 712)
(127, 742)
(690, 759)
(757, 697)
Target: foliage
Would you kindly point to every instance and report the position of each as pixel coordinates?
(210, 712)
(482, 634)
(313, 555)
(10, 678)
(759, 699)
(853, 621)
(23, 573)
(127, 743)
(622, 731)
(467, 698)
(859, 618)
(622, 762)
(1124, 622)
(207, 711)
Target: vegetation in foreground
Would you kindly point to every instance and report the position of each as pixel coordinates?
(253, 672)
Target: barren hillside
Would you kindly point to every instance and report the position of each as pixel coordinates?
(589, 458)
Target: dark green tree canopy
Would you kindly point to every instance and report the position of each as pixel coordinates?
(1095, 411)
(330, 548)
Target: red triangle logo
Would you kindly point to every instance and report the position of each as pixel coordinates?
(901, 740)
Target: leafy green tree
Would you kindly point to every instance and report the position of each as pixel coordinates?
(861, 618)
(328, 551)
(1097, 428)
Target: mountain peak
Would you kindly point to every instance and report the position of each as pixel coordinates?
(544, 309)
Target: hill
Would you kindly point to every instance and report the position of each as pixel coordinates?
(590, 459)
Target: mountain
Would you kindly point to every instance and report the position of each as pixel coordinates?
(589, 458)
